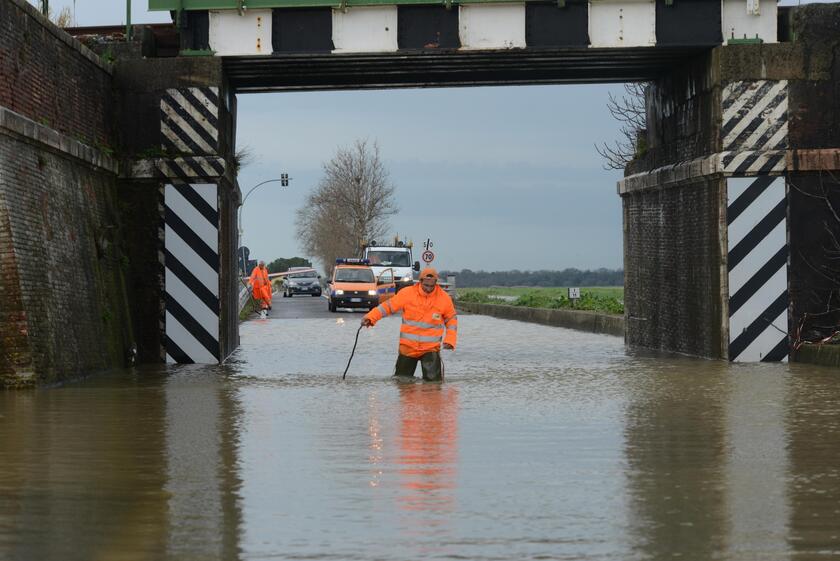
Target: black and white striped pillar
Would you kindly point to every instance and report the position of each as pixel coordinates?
(191, 259)
(758, 269)
(189, 132)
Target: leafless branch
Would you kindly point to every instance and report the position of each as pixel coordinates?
(350, 205)
(630, 111)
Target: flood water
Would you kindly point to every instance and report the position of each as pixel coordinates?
(543, 443)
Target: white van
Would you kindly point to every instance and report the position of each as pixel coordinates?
(396, 257)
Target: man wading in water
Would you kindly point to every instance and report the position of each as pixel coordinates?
(427, 310)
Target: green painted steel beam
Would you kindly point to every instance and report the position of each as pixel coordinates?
(176, 5)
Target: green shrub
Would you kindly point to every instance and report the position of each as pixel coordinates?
(587, 301)
(474, 296)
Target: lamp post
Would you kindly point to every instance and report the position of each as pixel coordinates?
(284, 182)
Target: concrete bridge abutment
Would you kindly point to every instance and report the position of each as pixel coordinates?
(730, 217)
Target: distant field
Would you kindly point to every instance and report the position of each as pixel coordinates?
(608, 291)
(608, 299)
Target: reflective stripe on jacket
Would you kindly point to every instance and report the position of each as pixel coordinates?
(427, 319)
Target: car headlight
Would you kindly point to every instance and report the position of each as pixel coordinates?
(372, 292)
(407, 278)
(339, 292)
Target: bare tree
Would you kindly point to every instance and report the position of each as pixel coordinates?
(350, 205)
(629, 110)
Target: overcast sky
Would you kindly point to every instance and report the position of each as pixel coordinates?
(499, 178)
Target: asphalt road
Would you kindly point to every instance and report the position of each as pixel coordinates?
(307, 306)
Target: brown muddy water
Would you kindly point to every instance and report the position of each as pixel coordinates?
(543, 443)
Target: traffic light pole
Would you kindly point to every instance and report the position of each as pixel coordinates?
(284, 182)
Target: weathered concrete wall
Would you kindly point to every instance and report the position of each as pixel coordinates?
(582, 320)
(825, 355)
(680, 108)
(63, 308)
(672, 268)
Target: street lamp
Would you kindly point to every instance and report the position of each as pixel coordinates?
(284, 182)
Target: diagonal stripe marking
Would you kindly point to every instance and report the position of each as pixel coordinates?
(758, 233)
(211, 120)
(191, 346)
(181, 130)
(746, 198)
(197, 201)
(776, 262)
(192, 239)
(183, 124)
(199, 268)
(778, 353)
(753, 123)
(175, 267)
(208, 341)
(757, 327)
(207, 231)
(176, 353)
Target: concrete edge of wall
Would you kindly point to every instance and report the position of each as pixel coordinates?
(824, 355)
(593, 322)
(29, 130)
(710, 166)
(63, 36)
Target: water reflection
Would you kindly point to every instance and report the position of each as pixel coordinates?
(83, 473)
(675, 442)
(202, 421)
(428, 454)
(812, 421)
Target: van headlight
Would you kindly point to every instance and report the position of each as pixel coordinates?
(407, 278)
(372, 292)
(339, 292)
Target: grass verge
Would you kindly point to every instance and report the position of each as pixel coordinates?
(606, 299)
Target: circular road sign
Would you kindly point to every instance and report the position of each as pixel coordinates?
(428, 256)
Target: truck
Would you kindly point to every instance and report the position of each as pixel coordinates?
(396, 256)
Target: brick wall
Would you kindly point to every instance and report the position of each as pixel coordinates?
(50, 78)
(672, 258)
(63, 309)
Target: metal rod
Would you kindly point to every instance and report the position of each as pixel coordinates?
(45, 7)
(128, 20)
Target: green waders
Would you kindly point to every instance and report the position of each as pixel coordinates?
(430, 363)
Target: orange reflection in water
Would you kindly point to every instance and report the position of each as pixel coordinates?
(428, 450)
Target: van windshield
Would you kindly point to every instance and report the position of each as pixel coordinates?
(389, 258)
(353, 275)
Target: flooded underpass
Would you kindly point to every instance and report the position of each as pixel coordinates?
(543, 443)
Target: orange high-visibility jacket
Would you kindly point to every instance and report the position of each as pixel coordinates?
(260, 283)
(424, 319)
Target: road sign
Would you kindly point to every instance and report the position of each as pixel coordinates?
(428, 244)
(574, 293)
(428, 256)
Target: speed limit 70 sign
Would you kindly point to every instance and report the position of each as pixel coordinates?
(428, 256)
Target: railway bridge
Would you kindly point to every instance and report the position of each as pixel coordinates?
(119, 176)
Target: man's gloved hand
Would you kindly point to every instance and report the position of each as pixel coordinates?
(366, 322)
(448, 347)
